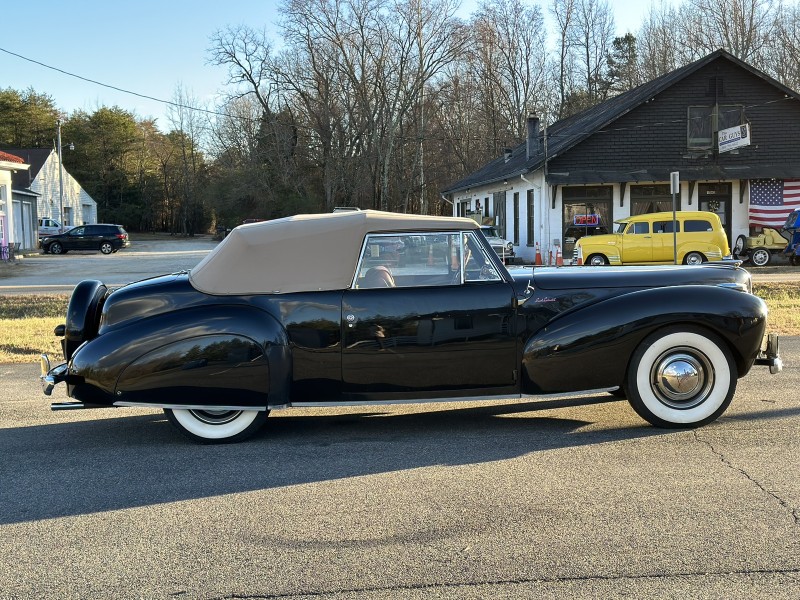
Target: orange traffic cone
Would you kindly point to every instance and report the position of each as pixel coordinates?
(579, 260)
(538, 260)
(559, 258)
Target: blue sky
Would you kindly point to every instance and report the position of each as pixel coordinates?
(149, 47)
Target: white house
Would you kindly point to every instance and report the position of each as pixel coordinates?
(43, 179)
(9, 164)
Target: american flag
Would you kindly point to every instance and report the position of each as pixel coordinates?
(772, 200)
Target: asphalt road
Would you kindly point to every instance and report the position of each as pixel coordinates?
(147, 256)
(560, 498)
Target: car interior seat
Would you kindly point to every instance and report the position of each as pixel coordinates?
(378, 277)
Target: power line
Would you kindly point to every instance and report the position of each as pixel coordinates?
(113, 87)
(401, 138)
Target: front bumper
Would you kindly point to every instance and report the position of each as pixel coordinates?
(770, 357)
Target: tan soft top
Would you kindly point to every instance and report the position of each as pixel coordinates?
(302, 253)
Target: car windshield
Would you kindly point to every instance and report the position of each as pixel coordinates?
(621, 227)
(490, 232)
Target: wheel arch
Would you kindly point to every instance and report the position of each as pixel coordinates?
(594, 344)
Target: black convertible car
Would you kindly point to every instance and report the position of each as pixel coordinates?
(370, 307)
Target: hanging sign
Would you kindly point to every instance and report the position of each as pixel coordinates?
(734, 137)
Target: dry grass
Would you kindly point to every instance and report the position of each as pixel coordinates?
(27, 322)
(783, 300)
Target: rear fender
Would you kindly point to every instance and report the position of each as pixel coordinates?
(590, 348)
(209, 356)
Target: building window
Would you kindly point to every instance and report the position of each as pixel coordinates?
(530, 219)
(516, 218)
(651, 198)
(499, 200)
(587, 211)
(704, 122)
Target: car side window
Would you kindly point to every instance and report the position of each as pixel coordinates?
(697, 225)
(77, 231)
(638, 228)
(664, 226)
(409, 260)
(477, 265)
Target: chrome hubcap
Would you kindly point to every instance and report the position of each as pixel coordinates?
(681, 378)
(215, 417)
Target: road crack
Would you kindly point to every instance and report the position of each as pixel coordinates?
(793, 511)
(502, 582)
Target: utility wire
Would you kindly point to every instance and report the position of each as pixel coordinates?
(112, 87)
(400, 138)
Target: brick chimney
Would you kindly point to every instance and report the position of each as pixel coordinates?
(533, 135)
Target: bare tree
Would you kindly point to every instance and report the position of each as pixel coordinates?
(513, 60)
(592, 33)
(563, 12)
(741, 27)
(657, 42)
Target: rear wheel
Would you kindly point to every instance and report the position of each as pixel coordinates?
(760, 257)
(56, 248)
(694, 258)
(681, 377)
(106, 247)
(597, 260)
(217, 426)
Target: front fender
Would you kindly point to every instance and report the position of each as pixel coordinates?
(590, 348)
(220, 355)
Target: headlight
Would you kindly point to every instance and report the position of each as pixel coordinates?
(509, 247)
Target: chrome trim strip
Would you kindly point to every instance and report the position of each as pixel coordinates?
(185, 406)
(526, 397)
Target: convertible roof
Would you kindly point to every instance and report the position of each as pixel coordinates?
(302, 253)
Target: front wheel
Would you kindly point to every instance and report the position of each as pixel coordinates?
(597, 260)
(681, 377)
(56, 248)
(760, 257)
(694, 258)
(217, 426)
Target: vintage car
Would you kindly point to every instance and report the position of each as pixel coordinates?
(760, 247)
(649, 239)
(297, 312)
(502, 247)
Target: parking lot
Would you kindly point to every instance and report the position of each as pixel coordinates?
(519, 499)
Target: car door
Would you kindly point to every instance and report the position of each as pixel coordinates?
(637, 243)
(664, 241)
(424, 323)
(75, 239)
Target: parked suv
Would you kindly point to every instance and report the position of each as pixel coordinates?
(106, 238)
(648, 239)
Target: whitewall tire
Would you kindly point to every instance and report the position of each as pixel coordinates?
(217, 426)
(681, 377)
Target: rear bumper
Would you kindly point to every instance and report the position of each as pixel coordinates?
(770, 357)
(50, 377)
